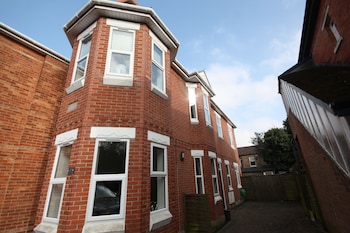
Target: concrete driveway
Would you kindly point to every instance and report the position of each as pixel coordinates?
(270, 217)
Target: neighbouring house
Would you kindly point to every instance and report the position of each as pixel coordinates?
(252, 163)
(316, 95)
(120, 138)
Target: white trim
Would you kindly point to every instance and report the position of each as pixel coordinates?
(219, 160)
(86, 32)
(212, 154)
(191, 85)
(158, 42)
(158, 138)
(66, 137)
(159, 219)
(112, 132)
(201, 173)
(123, 24)
(227, 162)
(116, 226)
(197, 153)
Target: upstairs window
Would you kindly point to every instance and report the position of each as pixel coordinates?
(82, 60)
(158, 74)
(329, 25)
(121, 53)
(119, 69)
(206, 108)
(230, 134)
(252, 161)
(192, 101)
(218, 124)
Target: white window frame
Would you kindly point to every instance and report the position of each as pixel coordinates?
(206, 106)
(120, 79)
(110, 222)
(230, 134)
(192, 102)
(218, 125)
(251, 160)
(77, 84)
(108, 177)
(154, 88)
(238, 176)
(197, 155)
(62, 140)
(329, 24)
(228, 174)
(214, 177)
(161, 217)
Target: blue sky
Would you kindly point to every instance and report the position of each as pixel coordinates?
(242, 45)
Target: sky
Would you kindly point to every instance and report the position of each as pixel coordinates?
(243, 46)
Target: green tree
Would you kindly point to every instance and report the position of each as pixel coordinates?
(275, 147)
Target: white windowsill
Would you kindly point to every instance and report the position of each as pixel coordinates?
(118, 80)
(75, 86)
(159, 219)
(115, 226)
(45, 227)
(159, 92)
(217, 198)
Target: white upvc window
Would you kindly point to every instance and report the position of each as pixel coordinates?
(252, 161)
(214, 176)
(206, 108)
(192, 101)
(55, 194)
(81, 60)
(238, 176)
(228, 173)
(230, 134)
(158, 67)
(120, 55)
(159, 204)
(218, 124)
(330, 25)
(159, 177)
(108, 180)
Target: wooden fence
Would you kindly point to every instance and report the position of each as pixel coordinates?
(282, 187)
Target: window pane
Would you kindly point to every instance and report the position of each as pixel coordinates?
(157, 77)
(120, 63)
(158, 159)
(157, 193)
(199, 185)
(198, 166)
(122, 41)
(212, 164)
(55, 200)
(63, 161)
(80, 70)
(193, 111)
(157, 55)
(215, 183)
(85, 47)
(107, 198)
(111, 158)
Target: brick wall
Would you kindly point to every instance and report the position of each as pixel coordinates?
(331, 186)
(31, 90)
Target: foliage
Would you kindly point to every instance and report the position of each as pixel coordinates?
(275, 147)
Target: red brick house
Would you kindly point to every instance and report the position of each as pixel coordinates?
(316, 95)
(252, 163)
(130, 132)
(32, 79)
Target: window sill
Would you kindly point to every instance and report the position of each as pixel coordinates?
(194, 121)
(45, 227)
(159, 92)
(75, 86)
(115, 226)
(159, 219)
(217, 198)
(116, 80)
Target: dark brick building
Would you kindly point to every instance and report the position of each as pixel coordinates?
(316, 95)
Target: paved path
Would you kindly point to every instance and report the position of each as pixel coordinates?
(270, 217)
